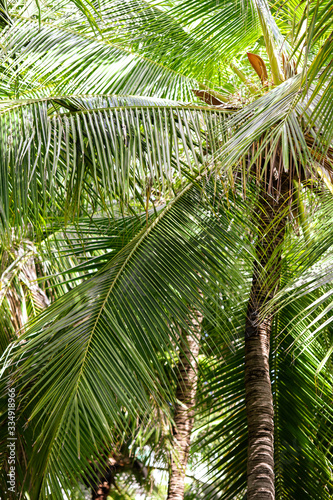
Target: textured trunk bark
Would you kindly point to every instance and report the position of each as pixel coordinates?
(271, 221)
(184, 410)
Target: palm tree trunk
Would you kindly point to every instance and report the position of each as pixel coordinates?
(184, 410)
(271, 221)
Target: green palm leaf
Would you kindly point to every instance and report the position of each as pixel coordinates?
(117, 323)
(104, 148)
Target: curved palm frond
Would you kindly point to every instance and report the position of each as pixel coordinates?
(302, 402)
(97, 356)
(99, 150)
(21, 296)
(119, 322)
(63, 53)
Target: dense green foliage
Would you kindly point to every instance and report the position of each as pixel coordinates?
(130, 202)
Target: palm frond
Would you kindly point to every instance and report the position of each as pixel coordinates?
(21, 297)
(54, 54)
(116, 323)
(99, 150)
(303, 435)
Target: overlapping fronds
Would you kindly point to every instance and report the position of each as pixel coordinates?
(60, 254)
(303, 417)
(191, 33)
(86, 245)
(130, 47)
(302, 402)
(99, 150)
(63, 53)
(312, 34)
(308, 282)
(282, 122)
(103, 355)
(111, 335)
(21, 297)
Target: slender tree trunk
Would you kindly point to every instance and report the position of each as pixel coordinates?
(271, 222)
(184, 410)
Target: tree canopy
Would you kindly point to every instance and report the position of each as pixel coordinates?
(139, 144)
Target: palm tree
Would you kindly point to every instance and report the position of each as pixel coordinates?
(265, 123)
(184, 408)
